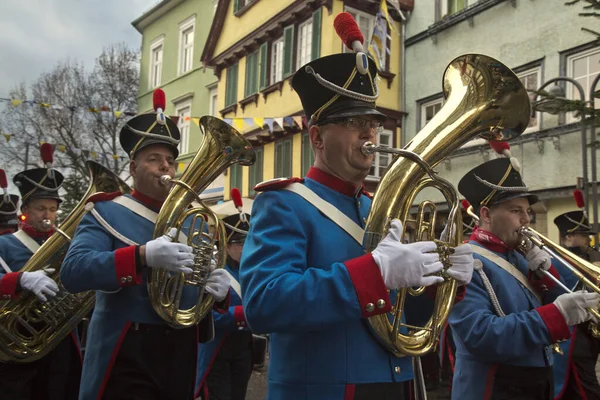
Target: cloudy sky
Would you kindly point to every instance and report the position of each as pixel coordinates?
(36, 34)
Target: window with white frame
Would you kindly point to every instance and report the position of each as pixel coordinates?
(212, 105)
(449, 7)
(429, 109)
(184, 111)
(276, 61)
(381, 161)
(532, 79)
(186, 45)
(583, 67)
(304, 48)
(156, 57)
(366, 23)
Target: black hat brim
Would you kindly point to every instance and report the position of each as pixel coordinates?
(353, 112)
(152, 142)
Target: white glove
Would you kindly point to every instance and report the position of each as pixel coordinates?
(163, 253)
(40, 283)
(218, 284)
(462, 264)
(573, 306)
(405, 265)
(536, 257)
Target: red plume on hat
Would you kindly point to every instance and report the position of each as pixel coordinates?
(348, 30)
(159, 102)
(47, 153)
(236, 197)
(580, 200)
(465, 204)
(503, 149)
(4, 185)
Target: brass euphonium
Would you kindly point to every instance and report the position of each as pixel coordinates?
(483, 98)
(29, 329)
(222, 147)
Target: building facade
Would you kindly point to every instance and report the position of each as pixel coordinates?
(174, 33)
(539, 41)
(255, 46)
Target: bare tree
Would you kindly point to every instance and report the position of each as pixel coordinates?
(80, 112)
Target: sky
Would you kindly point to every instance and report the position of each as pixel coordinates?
(36, 34)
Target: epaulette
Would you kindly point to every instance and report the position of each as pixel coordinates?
(276, 184)
(102, 196)
(369, 195)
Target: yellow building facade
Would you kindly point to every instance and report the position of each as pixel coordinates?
(255, 46)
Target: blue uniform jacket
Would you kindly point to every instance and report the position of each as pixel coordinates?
(225, 323)
(96, 260)
(484, 340)
(308, 283)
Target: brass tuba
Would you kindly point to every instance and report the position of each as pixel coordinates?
(483, 98)
(29, 329)
(222, 147)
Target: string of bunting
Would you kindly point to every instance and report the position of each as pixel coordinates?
(102, 109)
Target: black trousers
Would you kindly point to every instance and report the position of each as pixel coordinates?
(523, 383)
(54, 377)
(231, 370)
(382, 391)
(155, 362)
(584, 357)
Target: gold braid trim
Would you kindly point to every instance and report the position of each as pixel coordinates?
(486, 200)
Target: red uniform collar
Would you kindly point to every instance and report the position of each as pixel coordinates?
(30, 230)
(146, 200)
(489, 241)
(333, 182)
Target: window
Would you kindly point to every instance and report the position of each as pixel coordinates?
(184, 112)
(235, 179)
(256, 171)
(308, 156)
(304, 46)
(428, 111)
(449, 7)
(251, 85)
(186, 45)
(283, 158)
(212, 98)
(239, 4)
(276, 61)
(381, 162)
(231, 85)
(583, 67)
(531, 79)
(366, 23)
(156, 56)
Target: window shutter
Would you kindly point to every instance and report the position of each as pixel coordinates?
(248, 83)
(316, 35)
(263, 66)
(237, 5)
(288, 51)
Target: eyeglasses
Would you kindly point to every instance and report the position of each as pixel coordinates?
(358, 123)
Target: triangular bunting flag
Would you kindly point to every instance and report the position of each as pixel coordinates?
(196, 121)
(278, 121)
(118, 114)
(61, 147)
(94, 154)
(16, 102)
(7, 137)
(259, 121)
(269, 122)
(238, 123)
(298, 121)
(228, 121)
(249, 122)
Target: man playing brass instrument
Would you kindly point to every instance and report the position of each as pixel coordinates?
(131, 352)
(575, 370)
(305, 277)
(504, 327)
(55, 376)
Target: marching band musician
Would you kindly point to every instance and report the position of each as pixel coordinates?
(55, 376)
(131, 351)
(8, 208)
(575, 370)
(511, 314)
(225, 364)
(305, 277)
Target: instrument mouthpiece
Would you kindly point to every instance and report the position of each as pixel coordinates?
(165, 179)
(46, 223)
(368, 148)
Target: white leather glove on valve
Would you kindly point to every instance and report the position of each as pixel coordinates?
(536, 257)
(573, 306)
(218, 284)
(462, 264)
(405, 265)
(39, 283)
(163, 253)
